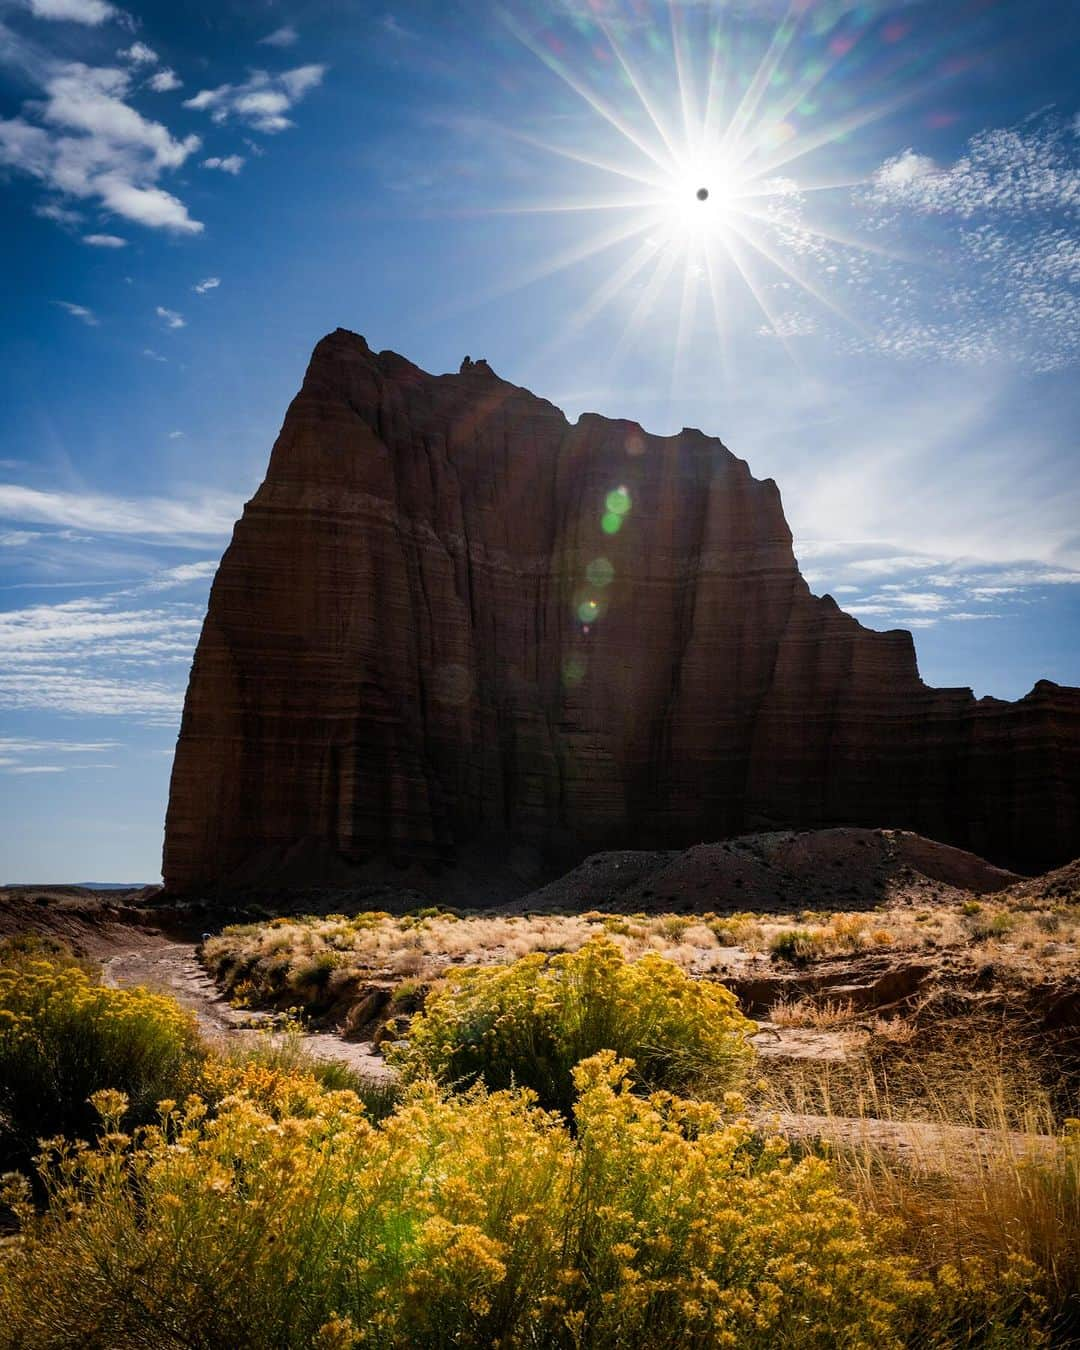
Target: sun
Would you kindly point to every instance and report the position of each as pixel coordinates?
(698, 198)
(686, 159)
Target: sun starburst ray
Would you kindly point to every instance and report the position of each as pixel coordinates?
(599, 298)
(589, 160)
(756, 242)
(638, 88)
(666, 260)
(598, 105)
(561, 262)
(752, 98)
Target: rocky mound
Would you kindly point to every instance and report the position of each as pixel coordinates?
(448, 616)
(1061, 886)
(777, 872)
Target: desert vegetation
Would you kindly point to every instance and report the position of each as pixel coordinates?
(583, 1149)
(532, 1022)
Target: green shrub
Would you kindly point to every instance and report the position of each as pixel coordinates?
(991, 927)
(63, 1037)
(794, 945)
(530, 1023)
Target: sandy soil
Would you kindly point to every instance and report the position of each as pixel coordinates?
(172, 967)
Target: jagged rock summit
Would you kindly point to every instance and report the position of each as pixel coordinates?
(449, 621)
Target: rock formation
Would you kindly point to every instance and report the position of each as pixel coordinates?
(449, 619)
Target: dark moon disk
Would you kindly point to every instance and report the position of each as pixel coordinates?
(703, 194)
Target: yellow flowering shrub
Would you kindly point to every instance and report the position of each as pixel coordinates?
(63, 1036)
(466, 1221)
(528, 1024)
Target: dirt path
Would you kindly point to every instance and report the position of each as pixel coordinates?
(172, 967)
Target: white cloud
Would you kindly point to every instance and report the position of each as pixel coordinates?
(227, 164)
(170, 316)
(104, 240)
(92, 12)
(51, 632)
(209, 516)
(153, 355)
(16, 538)
(86, 142)
(261, 101)
(183, 575)
(903, 169)
(928, 602)
(139, 54)
(21, 746)
(285, 36)
(164, 81)
(1004, 171)
(77, 692)
(79, 312)
(97, 656)
(15, 751)
(209, 284)
(897, 563)
(175, 435)
(63, 215)
(788, 326)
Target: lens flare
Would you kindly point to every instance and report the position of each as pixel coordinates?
(690, 122)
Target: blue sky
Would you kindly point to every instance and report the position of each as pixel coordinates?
(877, 305)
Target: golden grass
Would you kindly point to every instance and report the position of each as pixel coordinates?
(273, 1209)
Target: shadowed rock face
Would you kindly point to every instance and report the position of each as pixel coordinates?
(428, 632)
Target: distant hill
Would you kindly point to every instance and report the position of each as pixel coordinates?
(78, 885)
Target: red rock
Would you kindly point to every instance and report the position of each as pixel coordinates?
(421, 637)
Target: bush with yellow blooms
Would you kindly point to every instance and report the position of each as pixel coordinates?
(528, 1024)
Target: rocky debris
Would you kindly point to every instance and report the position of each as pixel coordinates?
(861, 983)
(449, 615)
(1061, 886)
(778, 872)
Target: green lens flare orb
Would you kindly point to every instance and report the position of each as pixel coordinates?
(600, 572)
(618, 501)
(610, 523)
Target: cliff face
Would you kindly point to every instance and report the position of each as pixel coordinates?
(448, 615)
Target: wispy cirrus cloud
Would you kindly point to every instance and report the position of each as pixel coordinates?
(79, 312)
(262, 101)
(180, 521)
(104, 241)
(931, 591)
(1007, 171)
(22, 755)
(285, 36)
(207, 284)
(1000, 226)
(110, 655)
(170, 317)
(973, 262)
(182, 575)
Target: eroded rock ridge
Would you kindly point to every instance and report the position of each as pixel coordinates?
(450, 619)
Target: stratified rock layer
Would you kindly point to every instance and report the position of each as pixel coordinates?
(434, 627)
